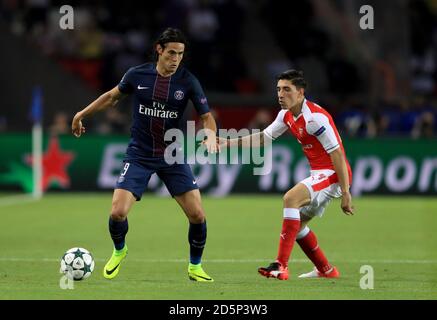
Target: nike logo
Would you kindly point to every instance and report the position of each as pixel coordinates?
(141, 88)
(195, 275)
(109, 272)
(194, 181)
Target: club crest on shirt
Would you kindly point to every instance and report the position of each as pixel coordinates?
(179, 95)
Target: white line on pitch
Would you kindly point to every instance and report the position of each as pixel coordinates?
(16, 199)
(400, 261)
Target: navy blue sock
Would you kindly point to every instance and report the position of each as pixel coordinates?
(197, 240)
(118, 231)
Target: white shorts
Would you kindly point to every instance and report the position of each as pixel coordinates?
(323, 186)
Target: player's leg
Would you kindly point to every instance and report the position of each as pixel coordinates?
(307, 240)
(129, 188)
(295, 198)
(122, 201)
(182, 186)
(191, 204)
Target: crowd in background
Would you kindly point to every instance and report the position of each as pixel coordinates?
(112, 36)
(366, 97)
(366, 93)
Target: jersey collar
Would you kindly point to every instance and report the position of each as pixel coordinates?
(304, 107)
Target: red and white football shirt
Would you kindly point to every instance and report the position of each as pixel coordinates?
(315, 130)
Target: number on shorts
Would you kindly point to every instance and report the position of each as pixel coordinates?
(126, 166)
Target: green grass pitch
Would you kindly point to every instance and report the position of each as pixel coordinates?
(396, 236)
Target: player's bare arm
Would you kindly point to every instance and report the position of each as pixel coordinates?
(340, 167)
(210, 127)
(252, 140)
(106, 100)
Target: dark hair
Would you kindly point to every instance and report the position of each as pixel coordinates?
(295, 76)
(169, 35)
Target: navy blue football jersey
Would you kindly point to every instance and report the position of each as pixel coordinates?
(158, 105)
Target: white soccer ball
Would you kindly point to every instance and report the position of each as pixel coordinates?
(77, 264)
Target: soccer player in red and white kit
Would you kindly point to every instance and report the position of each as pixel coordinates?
(330, 175)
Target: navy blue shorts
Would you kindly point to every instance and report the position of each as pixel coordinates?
(135, 176)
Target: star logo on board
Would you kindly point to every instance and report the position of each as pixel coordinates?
(54, 162)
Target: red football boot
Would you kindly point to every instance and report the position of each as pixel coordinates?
(274, 270)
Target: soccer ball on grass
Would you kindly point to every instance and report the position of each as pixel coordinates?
(77, 264)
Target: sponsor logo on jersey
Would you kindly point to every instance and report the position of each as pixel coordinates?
(157, 110)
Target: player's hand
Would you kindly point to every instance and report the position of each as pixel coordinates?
(76, 126)
(346, 203)
(222, 142)
(211, 145)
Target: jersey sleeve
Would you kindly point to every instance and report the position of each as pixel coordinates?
(125, 86)
(198, 97)
(320, 127)
(277, 127)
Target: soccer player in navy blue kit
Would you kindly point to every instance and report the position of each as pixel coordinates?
(161, 91)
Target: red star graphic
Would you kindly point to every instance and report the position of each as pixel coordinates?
(54, 163)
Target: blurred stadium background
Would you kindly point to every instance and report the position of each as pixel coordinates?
(379, 84)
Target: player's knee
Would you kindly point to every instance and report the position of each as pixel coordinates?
(290, 201)
(197, 215)
(118, 212)
(294, 200)
(118, 215)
